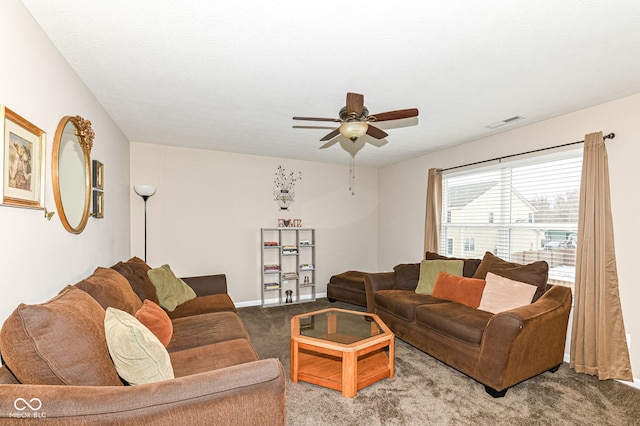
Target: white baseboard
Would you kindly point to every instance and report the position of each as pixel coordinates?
(635, 383)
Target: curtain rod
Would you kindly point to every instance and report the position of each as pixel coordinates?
(607, 136)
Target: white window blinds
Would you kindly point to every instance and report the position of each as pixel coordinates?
(522, 212)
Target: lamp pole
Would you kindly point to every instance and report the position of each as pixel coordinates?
(145, 191)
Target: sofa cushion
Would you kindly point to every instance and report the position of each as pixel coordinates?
(138, 355)
(206, 329)
(203, 305)
(155, 319)
(536, 273)
(470, 265)
(59, 342)
(172, 291)
(135, 271)
(407, 275)
(467, 291)
(454, 320)
(212, 357)
(111, 289)
(430, 269)
(502, 294)
(403, 303)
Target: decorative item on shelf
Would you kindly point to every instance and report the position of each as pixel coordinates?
(284, 187)
(289, 250)
(289, 276)
(271, 286)
(306, 280)
(297, 223)
(271, 244)
(145, 191)
(272, 268)
(306, 267)
(22, 159)
(289, 294)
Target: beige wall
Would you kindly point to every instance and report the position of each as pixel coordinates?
(207, 213)
(37, 257)
(400, 231)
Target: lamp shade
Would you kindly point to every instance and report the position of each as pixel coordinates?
(144, 190)
(353, 129)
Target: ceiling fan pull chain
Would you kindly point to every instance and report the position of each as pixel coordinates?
(352, 175)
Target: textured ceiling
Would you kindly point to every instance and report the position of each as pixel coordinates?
(229, 76)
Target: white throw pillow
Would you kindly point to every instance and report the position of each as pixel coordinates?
(137, 354)
(502, 294)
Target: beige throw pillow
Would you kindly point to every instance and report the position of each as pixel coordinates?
(430, 269)
(172, 291)
(136, 352)
(502, 294)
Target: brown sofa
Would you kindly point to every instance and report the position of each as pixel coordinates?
(57, 369)
(498, 350)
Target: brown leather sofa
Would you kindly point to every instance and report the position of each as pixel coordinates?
(56, 365)
(498, 350)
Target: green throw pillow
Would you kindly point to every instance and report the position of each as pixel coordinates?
(430, 269)
(136, 352)
(172, 291)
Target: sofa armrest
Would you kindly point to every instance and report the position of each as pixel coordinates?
(207, 284)
(241, 395)
(375, 282)
(524, 342)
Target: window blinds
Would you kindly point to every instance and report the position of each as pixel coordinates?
(521, 212)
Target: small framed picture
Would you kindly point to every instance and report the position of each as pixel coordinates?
(98, 204)
(21, 161)
(98, 175)
(297, 223)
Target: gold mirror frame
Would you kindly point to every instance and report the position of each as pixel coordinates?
(83, 132)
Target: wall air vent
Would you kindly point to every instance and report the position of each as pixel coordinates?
(504, 122)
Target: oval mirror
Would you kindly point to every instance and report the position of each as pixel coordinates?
(71, 169)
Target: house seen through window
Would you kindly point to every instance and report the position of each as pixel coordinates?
(522, 212)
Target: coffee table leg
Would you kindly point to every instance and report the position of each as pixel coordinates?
(349, 374)
(392, 357)
(294, 361)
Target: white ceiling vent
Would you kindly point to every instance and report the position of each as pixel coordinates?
(504, 122)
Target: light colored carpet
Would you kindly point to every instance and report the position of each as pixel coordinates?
(425, 391)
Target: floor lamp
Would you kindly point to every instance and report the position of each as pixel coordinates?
(145, 191)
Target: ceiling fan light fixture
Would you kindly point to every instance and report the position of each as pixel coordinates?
(353, 129)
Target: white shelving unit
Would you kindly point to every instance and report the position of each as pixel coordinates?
(288, 262)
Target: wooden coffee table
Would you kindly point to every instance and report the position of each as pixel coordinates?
(341, 350)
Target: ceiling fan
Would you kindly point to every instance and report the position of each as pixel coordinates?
(355, 120)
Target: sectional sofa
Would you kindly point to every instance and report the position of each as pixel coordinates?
(59, 358)
(498, 350)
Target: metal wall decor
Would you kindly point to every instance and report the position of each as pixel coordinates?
(284, 187)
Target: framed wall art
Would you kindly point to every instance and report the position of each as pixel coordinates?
(21, 161)
(98, 204)
(98, 175)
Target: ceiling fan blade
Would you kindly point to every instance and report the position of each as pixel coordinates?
(331, 135)
(330, 143)
(374, 132)
(394, 115)
(337, 120)
(355, 104)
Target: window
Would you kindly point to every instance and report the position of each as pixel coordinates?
(469, 244)
(532, 211)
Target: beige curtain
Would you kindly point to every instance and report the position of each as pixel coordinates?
(434, 211)
(598, 344)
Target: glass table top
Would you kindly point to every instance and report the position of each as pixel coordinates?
(339, 326)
